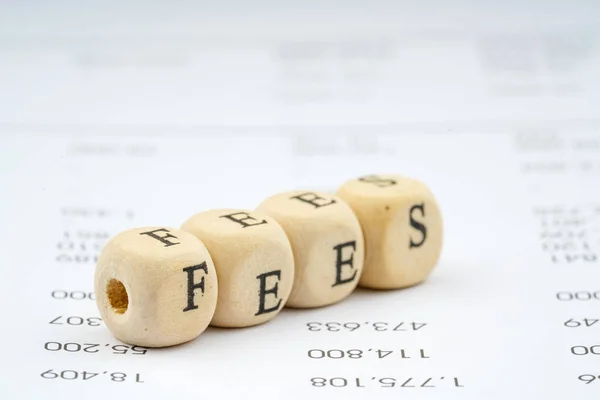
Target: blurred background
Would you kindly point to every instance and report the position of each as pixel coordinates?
(190, 65)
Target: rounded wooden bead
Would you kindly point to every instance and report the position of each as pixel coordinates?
(327, 242)
(254, 263)
(402, 225)
(155, 286)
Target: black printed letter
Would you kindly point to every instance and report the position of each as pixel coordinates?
(263, 292)
(163, 239)
(377, 180)
(240, 217)
(191, 286)
(417, 225)
(314, 199)
(339, 263)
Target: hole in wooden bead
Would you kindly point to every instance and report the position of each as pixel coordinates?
(117, 296)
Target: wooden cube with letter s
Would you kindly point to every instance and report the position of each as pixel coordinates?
(403, 229)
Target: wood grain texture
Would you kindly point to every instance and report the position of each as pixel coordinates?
(402, 225)
(254, 263)
(155, 286)
(327, 243)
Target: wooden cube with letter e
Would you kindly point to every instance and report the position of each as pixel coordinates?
(327, 241)
(254, 263)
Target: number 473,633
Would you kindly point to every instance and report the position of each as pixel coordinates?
(373, 326)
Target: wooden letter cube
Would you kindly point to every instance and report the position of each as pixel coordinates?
(155, 286)
(327, 242)
(402, 225)
(254, 263)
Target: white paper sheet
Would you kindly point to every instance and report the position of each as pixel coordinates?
(504, 315)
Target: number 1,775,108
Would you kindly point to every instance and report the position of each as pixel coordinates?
(388, 382)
